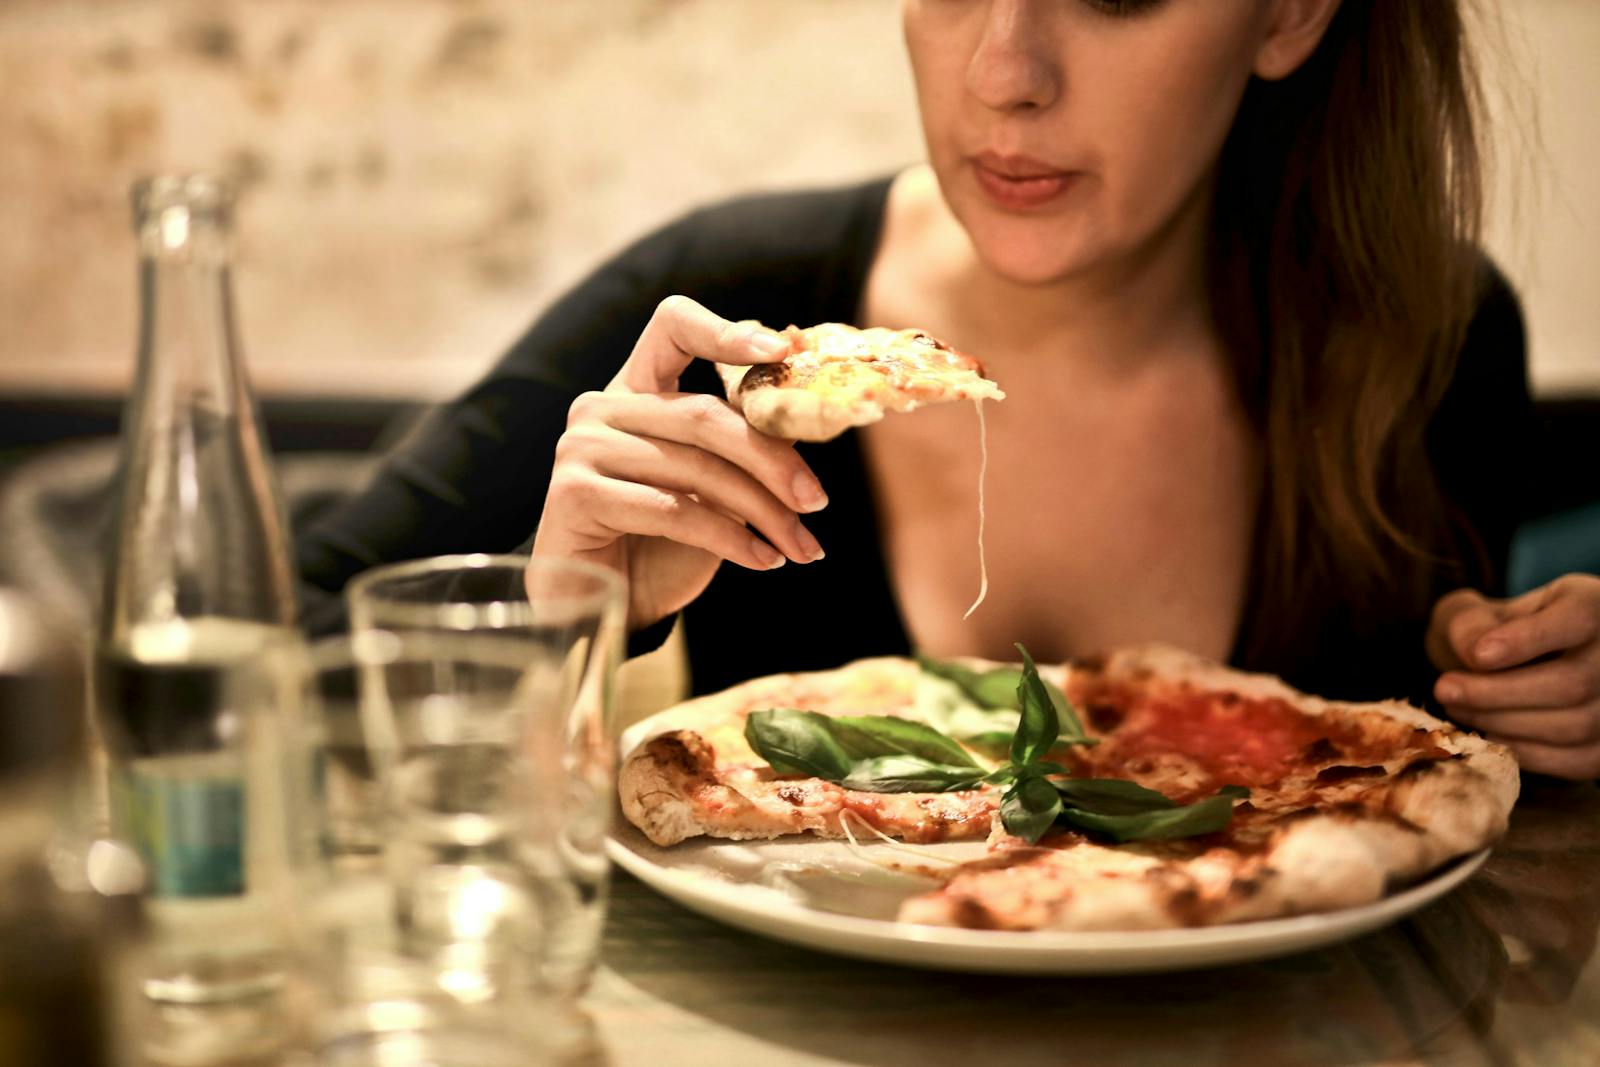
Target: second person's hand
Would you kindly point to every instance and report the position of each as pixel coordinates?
(662, 486)
(1525, 671)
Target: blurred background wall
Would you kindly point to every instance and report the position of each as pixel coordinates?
(422, 176)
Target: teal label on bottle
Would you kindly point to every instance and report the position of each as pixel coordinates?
(190, 834)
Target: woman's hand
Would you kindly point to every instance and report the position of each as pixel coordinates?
(663, 486)
(1525, 671)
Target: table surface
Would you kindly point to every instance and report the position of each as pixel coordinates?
(1500, 973)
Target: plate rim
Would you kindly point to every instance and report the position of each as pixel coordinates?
(891, 940)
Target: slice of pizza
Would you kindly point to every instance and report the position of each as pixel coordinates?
(837, 376)
(699, 776)
(1346, 801)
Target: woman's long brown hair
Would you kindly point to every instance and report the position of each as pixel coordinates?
(1348, 213)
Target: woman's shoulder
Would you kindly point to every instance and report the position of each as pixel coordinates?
(792, 255)
(806, 216)
(784, 230)
(1491, 365)
(1496, 326)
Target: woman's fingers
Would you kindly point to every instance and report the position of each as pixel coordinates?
(1564, 615)
(1459, 620)
(613, 508)
(686, 469)
(681, 331)
(709, 423)
(1567, 726)
(1566, 682)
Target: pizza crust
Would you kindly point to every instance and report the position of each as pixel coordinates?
(797, 415)
(692, 773)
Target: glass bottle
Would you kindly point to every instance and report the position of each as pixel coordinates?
(199, 582)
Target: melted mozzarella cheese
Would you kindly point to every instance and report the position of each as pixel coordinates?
(983, 470)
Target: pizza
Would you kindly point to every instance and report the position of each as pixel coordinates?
(836, 377)
(1345, 801)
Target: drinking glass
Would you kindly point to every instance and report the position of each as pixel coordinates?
(569, 617)
(425, 831)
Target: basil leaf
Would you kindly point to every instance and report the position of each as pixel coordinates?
(1238, 791)
(1071, 725)
(865, 736)
(1029, 808)
(1036, 733)
(1046, 767)
(797, 742)
(909, 774)
(1111, 796)
(992, 741)
(980, 709)
(996, 688)
(1202, 817)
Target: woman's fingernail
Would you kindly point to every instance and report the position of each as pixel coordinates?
(808, 544)
(767, 344)
(808, 491)
(1490, 652)
(1450, 692)
(770, 557)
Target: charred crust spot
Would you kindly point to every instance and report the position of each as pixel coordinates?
(765, 374)
(1345, 773)
(1244, 887)
(931, 342)
(973, 915)
(683, 751)
(1104, 716)
(1178, 894)
(1322, 750)
(1185, 906)
(793, 794)
(1424, 762)
(1354, 810)
(1094, 663)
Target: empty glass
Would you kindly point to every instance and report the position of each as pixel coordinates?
(569, 617)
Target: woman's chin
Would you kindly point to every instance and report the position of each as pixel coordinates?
(1024, 264)
(1033, 251)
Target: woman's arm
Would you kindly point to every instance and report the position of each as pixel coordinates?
(472, 477)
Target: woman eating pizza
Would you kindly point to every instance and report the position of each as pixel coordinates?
(1264, 397)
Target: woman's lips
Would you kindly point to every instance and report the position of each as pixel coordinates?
(1020, 184)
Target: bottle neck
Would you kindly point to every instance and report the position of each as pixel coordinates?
(187, 342)
(201, 542)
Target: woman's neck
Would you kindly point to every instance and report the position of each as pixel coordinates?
(1116, 318)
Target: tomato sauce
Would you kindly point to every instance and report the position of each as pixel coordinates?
(1233, 738)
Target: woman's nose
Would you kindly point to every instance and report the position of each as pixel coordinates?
(1013, 66)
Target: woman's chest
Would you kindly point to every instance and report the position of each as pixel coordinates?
(1102, 524)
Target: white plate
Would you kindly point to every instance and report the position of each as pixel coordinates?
(831, 897)
(820, 895)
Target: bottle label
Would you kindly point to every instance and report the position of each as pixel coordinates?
(189, 832)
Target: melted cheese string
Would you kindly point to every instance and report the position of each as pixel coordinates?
(898, 846)
(983, 470)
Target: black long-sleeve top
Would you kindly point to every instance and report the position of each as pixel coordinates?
(473, 478)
